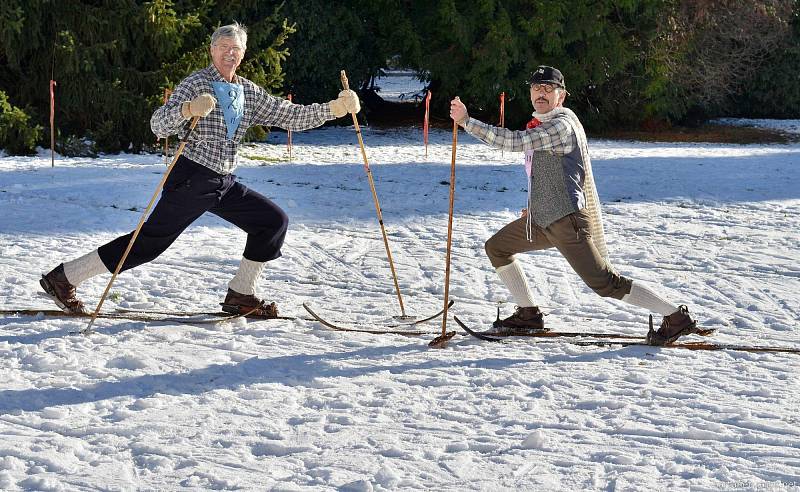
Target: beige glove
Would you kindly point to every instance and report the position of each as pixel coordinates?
(199, 106)
(347, 102)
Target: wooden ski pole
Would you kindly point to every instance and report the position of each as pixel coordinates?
(178, 153)
(441, 340)
(346, 86)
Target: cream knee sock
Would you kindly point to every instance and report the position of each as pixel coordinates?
(514, 279)
(84, 268)
(644, 297)
(245, 280)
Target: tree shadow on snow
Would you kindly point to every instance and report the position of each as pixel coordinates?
(83, 199)
(294, 370)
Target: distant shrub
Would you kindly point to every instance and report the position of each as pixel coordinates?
(256, 134)
(17, 135)
(73, 146)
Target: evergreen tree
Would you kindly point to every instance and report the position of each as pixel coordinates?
(357, 36)
(112, 59)
(477, 49)
(626, 62)
(17, 135)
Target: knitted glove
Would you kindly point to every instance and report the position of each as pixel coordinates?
(199, 106)
(347, 102)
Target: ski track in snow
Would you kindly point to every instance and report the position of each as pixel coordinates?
(290, 405)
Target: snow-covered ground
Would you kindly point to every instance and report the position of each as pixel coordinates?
(786, 126)
(400, 86)
(290, 405)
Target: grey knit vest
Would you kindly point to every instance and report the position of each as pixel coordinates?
(551, 198)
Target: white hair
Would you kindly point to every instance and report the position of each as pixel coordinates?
(235, 30)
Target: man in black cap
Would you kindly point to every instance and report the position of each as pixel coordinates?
(563, 212)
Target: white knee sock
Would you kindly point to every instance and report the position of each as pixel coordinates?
(245, 280)
(84, 268)
(514, 279)
(642, 296)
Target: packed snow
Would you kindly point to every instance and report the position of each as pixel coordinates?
(400, 86)
(784, 126)
(292, 405)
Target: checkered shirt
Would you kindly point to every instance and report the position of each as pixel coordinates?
(209, 144)
(555, 135)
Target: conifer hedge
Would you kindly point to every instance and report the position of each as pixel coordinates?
(112, 60)
(627, 63)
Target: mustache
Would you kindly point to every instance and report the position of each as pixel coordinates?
(542, 99)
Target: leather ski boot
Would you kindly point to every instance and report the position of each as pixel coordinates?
(525, 320)
(673, 327)
(56, 285)
(249, 305)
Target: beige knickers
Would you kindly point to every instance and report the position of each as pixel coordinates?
(571, 236)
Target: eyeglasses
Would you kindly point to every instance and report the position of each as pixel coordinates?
(228, 48)
(548, 88)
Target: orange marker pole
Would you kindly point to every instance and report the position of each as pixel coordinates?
(289, 135)
(502, 109)
(502, 113)
(52, 123)
(425, 124)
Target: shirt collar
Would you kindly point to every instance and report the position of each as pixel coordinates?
(217, 77)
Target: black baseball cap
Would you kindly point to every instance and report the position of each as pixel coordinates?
(547, 75)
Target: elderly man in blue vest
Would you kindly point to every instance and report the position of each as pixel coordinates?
(563, 212)
(202, 179)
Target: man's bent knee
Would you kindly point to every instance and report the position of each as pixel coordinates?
(615, 286)
(496, 255)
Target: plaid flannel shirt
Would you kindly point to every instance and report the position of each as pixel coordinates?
(555, 135)
(208, 144)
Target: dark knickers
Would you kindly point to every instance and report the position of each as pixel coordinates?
(190, 191)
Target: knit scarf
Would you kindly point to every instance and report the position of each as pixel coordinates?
(589, 190)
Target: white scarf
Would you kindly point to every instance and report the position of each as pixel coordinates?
(589, 189)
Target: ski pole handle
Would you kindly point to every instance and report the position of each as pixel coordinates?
(345, 83)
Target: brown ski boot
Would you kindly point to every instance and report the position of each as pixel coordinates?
(673, 327)
(248, 305)
(58, 287)
(525, 320)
